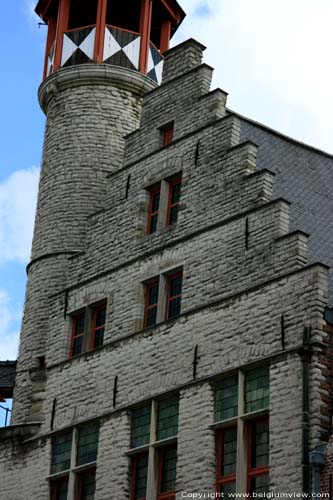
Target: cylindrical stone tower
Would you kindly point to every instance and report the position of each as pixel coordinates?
(102, 56)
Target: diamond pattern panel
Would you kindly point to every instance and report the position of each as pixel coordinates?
(155, 64)
(121, 48)
(78, 46)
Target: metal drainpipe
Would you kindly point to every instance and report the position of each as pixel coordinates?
(305, 354)
(317, 461)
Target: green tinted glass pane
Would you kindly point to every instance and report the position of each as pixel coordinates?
(259, 444)
(87, 443)
(257, 389)
(168, 473)
(229, 452)
(61, 452)
(260, 484)
(140, 431)
(141, 468)
(226, 399)
(87, 486)
(167, 421)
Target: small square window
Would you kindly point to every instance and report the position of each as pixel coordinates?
(167, 134)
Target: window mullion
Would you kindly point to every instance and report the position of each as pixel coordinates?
(163, 208)
(71, 482)
(152, 476)
(241, 469)
(162, 296)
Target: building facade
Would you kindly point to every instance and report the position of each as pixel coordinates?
(177, 333)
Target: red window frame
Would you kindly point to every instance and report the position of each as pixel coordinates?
(253, 472)
(230, 478)
(167, 134)
(80, 478)
(174, 182)
(94, 328)
(75, 318)
(133, 474)
(148, 306)
(55, 486)
(170, 297)
(168, 495)
(152, 192)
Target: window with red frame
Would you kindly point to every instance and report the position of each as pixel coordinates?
(174, 295)
(154, 205)
(167, 134)
(139, 477)
(78, 323)
(85, 486)
(174, 200)
(258, 455)
(226, 460)
(98, 325)
(167, 473)
(151, 303)
(59, 489)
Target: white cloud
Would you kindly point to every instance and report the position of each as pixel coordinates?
(273, 58)
(18, 195)
(9, 330)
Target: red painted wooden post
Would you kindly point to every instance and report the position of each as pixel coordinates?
(165, 36)
(62, 26)
(51, 33)
(100, 30)
(145, 23)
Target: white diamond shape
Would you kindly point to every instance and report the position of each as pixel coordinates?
(151, 64)
(87, 46)
(111, 46)
(159, 71)
(132, 51)
(68, 49)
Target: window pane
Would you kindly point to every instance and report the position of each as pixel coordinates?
(153, 294)
(226, 399)
(77, 346)
(174, 308)
(259, 444)
(87, 490)
(257, 389)
(173, 214)
(228, 488)
(79, 323)
(153, 224)
(87, 444)
(61, 453)
(100, 317)
(140, 431)
(99, 337)
(260, 484)
(167, 421)
(175, 193)
(168, 472)
(141, 468)
(59, 489)
(151, 316)
(229, 452)
(155, 202)
(176, 285)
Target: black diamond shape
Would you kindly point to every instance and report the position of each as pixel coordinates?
(77, 36)
(120, 59)
(152, 75)
(123, 37)
(78, 57)
(156, 56)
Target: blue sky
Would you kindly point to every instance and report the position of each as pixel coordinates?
(272, 57)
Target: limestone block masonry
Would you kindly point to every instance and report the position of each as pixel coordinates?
(249, 296)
